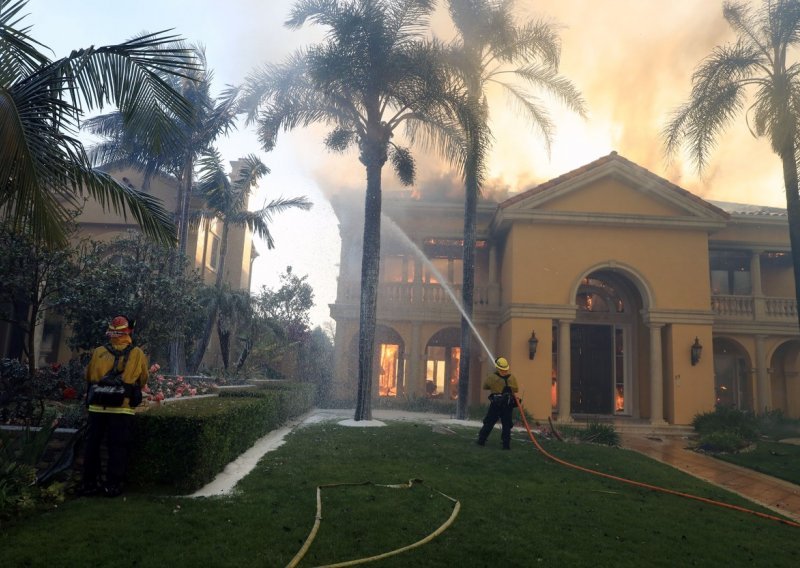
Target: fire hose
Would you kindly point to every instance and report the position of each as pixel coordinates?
(645, 485)
(457, 505)
(318, 519)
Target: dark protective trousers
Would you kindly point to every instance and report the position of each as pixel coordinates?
(498, 410)
(117, 431)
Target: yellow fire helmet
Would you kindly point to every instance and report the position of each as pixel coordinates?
(501, 363)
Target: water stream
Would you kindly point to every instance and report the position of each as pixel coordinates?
(386, 222)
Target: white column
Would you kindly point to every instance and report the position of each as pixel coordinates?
(656, 376)
(759, 304)
(763, 386)
(416, 379)
(564, 371)
(494, 286)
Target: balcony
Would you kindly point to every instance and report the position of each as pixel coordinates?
(751, 308)
(414, 295)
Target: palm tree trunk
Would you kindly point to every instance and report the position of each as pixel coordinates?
(200, 352)
(793, 212)
(370, 265)
(467, 289)
(185, 200)
(177, 353)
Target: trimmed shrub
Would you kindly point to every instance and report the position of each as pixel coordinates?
(726, 429)
(722, 441)
(776, 425)
(184, 446)
(727, 419)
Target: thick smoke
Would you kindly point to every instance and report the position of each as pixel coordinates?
(633, 61)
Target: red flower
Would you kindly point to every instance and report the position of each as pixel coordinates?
(69, 393)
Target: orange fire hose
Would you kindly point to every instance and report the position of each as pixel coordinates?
(646, 485)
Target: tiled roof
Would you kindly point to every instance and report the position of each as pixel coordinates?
(750, 210)
(612, 157)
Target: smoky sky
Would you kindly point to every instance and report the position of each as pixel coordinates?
(632, 60)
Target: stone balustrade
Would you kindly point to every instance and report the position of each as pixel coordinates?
(754, 308)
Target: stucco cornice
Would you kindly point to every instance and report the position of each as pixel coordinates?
(739, 327)
(386, 315)
(552, 311)
(505, 218)
(693, 317)
(748, 245)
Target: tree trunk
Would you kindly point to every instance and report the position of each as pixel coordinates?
(467, 289)
(185, 200)
(248, 344)
(793, 212)
(370, 264)
(177, 351)
(197, 357)
(224, 336)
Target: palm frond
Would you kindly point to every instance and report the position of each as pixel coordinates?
(258, 221)
(19, 54)
(534, 110)
(547, 78)
(147, 210)
(718, 93)
(403, 164)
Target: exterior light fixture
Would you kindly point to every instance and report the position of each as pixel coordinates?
(533, 343)
(697, 350)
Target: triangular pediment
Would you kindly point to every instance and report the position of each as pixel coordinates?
(612, 190)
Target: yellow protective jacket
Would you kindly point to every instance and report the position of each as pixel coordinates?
(496, 384)
(135, 371)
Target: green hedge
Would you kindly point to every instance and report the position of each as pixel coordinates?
(183, 446)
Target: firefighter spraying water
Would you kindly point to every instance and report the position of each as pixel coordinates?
(503, 386)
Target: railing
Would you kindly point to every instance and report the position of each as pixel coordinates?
(415, 294)
(781, 308)
(752, 308)
(733, 306)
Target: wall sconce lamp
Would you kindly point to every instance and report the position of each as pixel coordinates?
(533, 343)
(697, 350)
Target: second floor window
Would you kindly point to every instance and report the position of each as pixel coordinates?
(213, 257)
(730, 273)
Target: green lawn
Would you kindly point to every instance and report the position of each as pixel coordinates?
(518, 509)
(775, 459)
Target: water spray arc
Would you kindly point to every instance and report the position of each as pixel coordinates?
(398, 232)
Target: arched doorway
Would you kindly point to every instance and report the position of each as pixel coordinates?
(732, 382)
(785, 379)
(442, 355)
(603, 345)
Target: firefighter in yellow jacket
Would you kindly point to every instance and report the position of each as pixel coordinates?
(115, 375)
(503, 388)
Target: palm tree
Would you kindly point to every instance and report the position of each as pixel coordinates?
(757, 64)
(491, 49)
(44, 169)
(370, 76)
(125, 146)
(209, 120)
(227, 201)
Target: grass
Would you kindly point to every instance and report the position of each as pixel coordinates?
(778, 460)
(518, 509)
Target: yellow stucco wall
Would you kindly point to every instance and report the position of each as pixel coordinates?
(610, 195)
(544, 263)
(687, 385)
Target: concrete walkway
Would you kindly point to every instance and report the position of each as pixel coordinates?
(778, 495)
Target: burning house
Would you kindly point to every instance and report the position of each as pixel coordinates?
(611, 291)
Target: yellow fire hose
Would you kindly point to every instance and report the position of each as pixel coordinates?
(318, 519)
